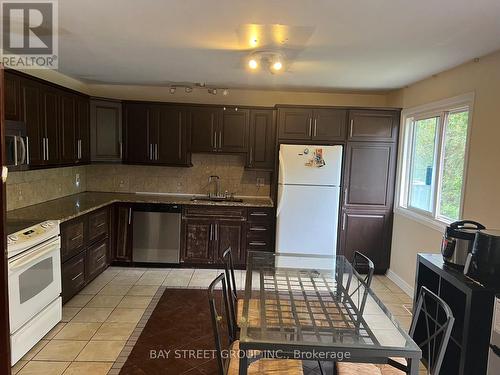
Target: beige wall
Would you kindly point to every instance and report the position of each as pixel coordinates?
(482, 195)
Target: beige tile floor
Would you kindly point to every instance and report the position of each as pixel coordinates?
(100, 319)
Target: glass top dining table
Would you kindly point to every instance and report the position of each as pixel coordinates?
(315, 308)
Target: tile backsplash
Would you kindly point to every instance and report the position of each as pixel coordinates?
(194, 180)
(32, 187)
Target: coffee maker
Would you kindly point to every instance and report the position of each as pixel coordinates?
(483, 263)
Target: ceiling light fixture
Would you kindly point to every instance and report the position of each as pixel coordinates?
(277, 66)
(253, 64)
(272, 60)
(225, 92)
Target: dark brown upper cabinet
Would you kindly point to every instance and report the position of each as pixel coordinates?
(233, 132)
(373, 125)
(369, 174)
(262, 140)
(307, 124)
(156, 134)
(82, 130)
(329, 124)
(205, 129)
(173, 132)
(67, 130)
(12, 98)
(137, 122)
(50, 116)
(105, 131)
(31, 98)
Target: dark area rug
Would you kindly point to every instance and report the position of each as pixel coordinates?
(180, 322)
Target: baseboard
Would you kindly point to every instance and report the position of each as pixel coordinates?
(407, 288)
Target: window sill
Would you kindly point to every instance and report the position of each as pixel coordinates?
(438, 225)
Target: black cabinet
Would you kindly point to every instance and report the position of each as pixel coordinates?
(472, 307)
(12, 97)
(82, 130)
(137, 124)
(262, 140)
(67, 130)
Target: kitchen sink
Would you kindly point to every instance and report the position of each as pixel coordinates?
(217, 199)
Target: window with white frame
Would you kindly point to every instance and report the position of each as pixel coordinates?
(433, 159)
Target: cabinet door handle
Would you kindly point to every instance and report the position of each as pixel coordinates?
(257, 243)
(156, 151)
(150, 151)
(210, 237)
(251, 156)
(77, 276)
(76, 237)
(351, 125)
(121, 150)
(345, 196)
(215, 141)
(129, 215)
(47, 148)
(180, 136)
(27, 151)
(258, 229)
(216, 229)
(310, 126)
(258, 214)
(343, 221)
(220, 139)
(315, 126)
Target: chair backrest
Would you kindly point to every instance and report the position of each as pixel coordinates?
(431, 327)
(222, 336)
(227, 258)
(363, 266)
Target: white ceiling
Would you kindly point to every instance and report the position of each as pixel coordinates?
(341, 44)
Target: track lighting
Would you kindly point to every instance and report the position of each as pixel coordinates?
(172, 90)
(225, 92)
(188, 89)
(212, 91)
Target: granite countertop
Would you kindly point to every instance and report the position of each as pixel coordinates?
(69, 207)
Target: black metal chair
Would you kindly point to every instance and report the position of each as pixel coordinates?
(434, 319)
(363, 266)
(228, 362)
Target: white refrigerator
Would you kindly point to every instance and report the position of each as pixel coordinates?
(308, 204)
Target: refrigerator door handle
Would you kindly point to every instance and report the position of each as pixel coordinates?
(280, 199)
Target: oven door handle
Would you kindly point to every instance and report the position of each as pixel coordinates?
(18, 263)
(23, 150)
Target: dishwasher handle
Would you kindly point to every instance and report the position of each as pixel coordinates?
(158, 207)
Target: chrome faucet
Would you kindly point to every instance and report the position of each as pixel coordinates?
(217, 193)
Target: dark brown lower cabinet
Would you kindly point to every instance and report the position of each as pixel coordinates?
(368, 232)
(198, 237)
(230, 234)
(123, 233)
(84, 250)
(96, 259)
(73, 276)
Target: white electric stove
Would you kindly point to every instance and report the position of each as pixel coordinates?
(35, 304)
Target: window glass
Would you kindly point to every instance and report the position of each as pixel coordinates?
(452, 174)
(423, 163)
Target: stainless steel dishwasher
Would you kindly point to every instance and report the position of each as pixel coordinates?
(156, 234)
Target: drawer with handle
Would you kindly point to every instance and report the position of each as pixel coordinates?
(98, 224)
(259, 230)
(72, 238)
(73, 276)
(96, 259)
(259, 245)
(260, 214)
